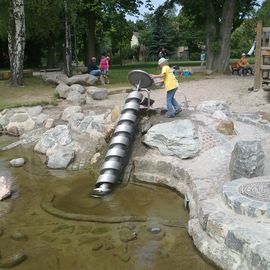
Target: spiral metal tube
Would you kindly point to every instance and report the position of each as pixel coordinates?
(119, 145)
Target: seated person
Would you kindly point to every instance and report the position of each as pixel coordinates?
(93, 68)
(244, 66)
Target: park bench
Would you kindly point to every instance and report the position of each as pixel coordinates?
(44, 71)
(5, 75)
(235, 69)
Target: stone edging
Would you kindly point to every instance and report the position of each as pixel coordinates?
(242, 204)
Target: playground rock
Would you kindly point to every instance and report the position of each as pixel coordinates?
(68, 137)
(219, 115)
(13, 131)
(18, 162)
(83, 79)
(247, 160)
(5, 187)
(97, 93)
(226, 127)
(60, 135)
(59, 157)
(179, 138)
(75, 97)
(116, 111)
(79, 88)
(69, 111)
(63, 90)
(22, 121)
(212, 106)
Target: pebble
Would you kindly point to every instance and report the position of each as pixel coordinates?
(13, 260)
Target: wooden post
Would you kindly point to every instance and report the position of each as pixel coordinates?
(258, 75)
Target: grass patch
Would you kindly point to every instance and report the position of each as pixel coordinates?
(34, 92)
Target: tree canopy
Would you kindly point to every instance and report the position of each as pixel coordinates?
(98, 26)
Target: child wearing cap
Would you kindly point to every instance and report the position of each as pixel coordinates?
(171, 85)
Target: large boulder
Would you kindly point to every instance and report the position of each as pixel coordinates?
(59, 157)
(83, 79)
(22, 122)
(97, 93)
(63, 90)
(35, 111)
(75, 97)
(178, 138)
(79, 88)
(60, 135)
(69, 111)
(247, 160)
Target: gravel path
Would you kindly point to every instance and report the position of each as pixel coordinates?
(232, 89)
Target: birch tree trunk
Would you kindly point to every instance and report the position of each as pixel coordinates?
(16, 41)
(67, 40)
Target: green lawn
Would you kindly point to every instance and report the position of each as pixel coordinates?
(34, 92)
(118, 75)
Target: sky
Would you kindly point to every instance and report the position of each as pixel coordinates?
(143, 10)
(156, 3)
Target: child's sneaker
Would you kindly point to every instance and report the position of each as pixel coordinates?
(178, 111)
(169, 115)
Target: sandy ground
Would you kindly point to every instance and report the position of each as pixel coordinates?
(232, 89)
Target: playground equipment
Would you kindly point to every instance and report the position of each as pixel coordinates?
(262, 57)
(252, 49)
(118, 149)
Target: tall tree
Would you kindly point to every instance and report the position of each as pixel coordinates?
(264, 13)
(95, 11)
(46, 24)
(16, 41)
(68, 56)
(220, 17)
(219, 33)
(159, 32)
(120, 33)
(4, 59)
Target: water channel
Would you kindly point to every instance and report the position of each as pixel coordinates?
(153, 236)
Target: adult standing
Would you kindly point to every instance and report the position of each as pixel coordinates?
(163, 53)
(202, 58)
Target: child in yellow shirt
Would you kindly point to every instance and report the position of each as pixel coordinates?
(171, 85)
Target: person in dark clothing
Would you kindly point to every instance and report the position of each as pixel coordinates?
(93, 68)
(163, 53)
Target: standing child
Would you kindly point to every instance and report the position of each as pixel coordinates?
(104, 68)
(171, 85)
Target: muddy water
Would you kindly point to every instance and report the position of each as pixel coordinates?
(51, 242)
